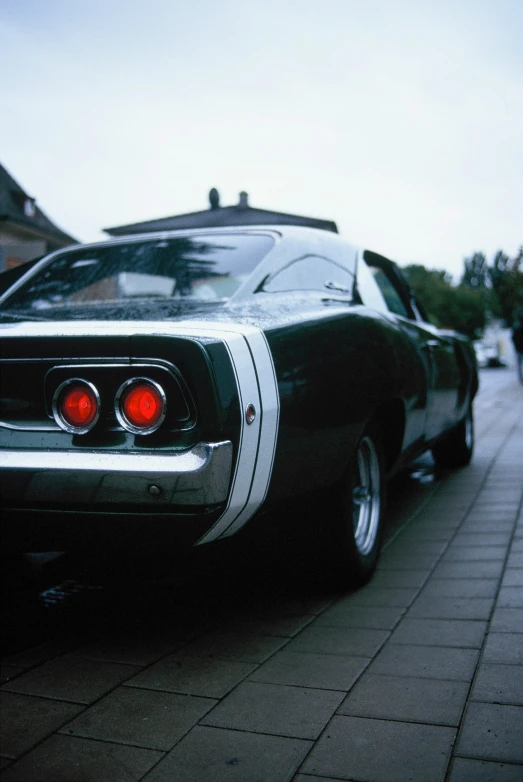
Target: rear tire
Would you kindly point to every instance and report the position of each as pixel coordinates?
(358, 514)
(456, 448)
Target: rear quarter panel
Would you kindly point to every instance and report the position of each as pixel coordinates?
(335, 370)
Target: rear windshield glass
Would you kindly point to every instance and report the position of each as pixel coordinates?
(206, 268)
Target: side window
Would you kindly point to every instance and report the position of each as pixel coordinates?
(390, 294)
(368, 290)
(310, 273)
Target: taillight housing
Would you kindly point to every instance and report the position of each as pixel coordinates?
(140, 405)
(76, 406)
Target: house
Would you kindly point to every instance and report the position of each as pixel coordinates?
(26, 232)
(221, 216)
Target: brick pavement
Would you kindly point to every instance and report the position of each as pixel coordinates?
(418, 676)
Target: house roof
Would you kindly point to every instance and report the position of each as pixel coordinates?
(17, 207)
(222, 216)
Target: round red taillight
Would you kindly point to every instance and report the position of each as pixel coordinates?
(76, 406)
(140, 405)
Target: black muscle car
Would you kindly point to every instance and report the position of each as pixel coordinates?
(171, 386)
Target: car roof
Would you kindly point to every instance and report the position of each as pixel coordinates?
(294, 232)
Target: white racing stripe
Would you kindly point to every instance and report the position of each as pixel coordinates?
(267, 417)
(256, 383)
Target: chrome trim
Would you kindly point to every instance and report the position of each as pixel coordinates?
(122, 418)
(38, 426)
(197, 476)
(57, 413)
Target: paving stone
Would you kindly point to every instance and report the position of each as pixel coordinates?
(464, 587)
(422, 532)
(280, 710)
(36, 655)
(440, 632)
(387, 579)
(461, 570)
(280, 626)
(472, 540)
(338, 640)
(497, 683)
(8, 672)
(488, 525)
(496, 507)
(492, 515)
(492, 732)
(400, 562)
(430, 662)
(506, 471)
(301, 669)
(217, 755)
(507, 620)
(71, 678)
(26, 721)
(510, 597)
(448, 507)
(348, 615)
(130, 650)
(408, 699)
(383, 598)
(156, 720)
(295, 605)
(466, 770)
(353, 748)
(309, 778)
(209, 677)
(234, 646)
(439, 520)
(504, 648)
(513, 577)
(64, 759)
(502, 495)
(458, 489)
(515, 559)
(427, 607)
(474, 554)
(406, 548)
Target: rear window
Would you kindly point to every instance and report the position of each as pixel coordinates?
(202, 268)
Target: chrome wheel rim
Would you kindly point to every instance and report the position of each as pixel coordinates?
(366, 497)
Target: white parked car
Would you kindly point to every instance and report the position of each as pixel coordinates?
(488, 354)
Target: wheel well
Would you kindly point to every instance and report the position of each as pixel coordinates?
(390, 418)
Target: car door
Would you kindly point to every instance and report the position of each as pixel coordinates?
(436, 349)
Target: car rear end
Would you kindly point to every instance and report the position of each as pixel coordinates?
(122, 432)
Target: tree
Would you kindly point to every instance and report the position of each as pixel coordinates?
(507, 281)
(452, 307)
(501, 282)
(476, 272)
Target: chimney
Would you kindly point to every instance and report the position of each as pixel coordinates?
(244, 200)
(214, 198)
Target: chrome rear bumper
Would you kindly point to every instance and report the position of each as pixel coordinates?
(198, 476)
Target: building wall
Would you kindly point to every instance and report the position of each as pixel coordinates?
(16, 248)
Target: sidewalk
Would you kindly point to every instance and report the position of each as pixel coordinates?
(418, 676)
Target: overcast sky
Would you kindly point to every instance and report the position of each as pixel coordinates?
(402, 121)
